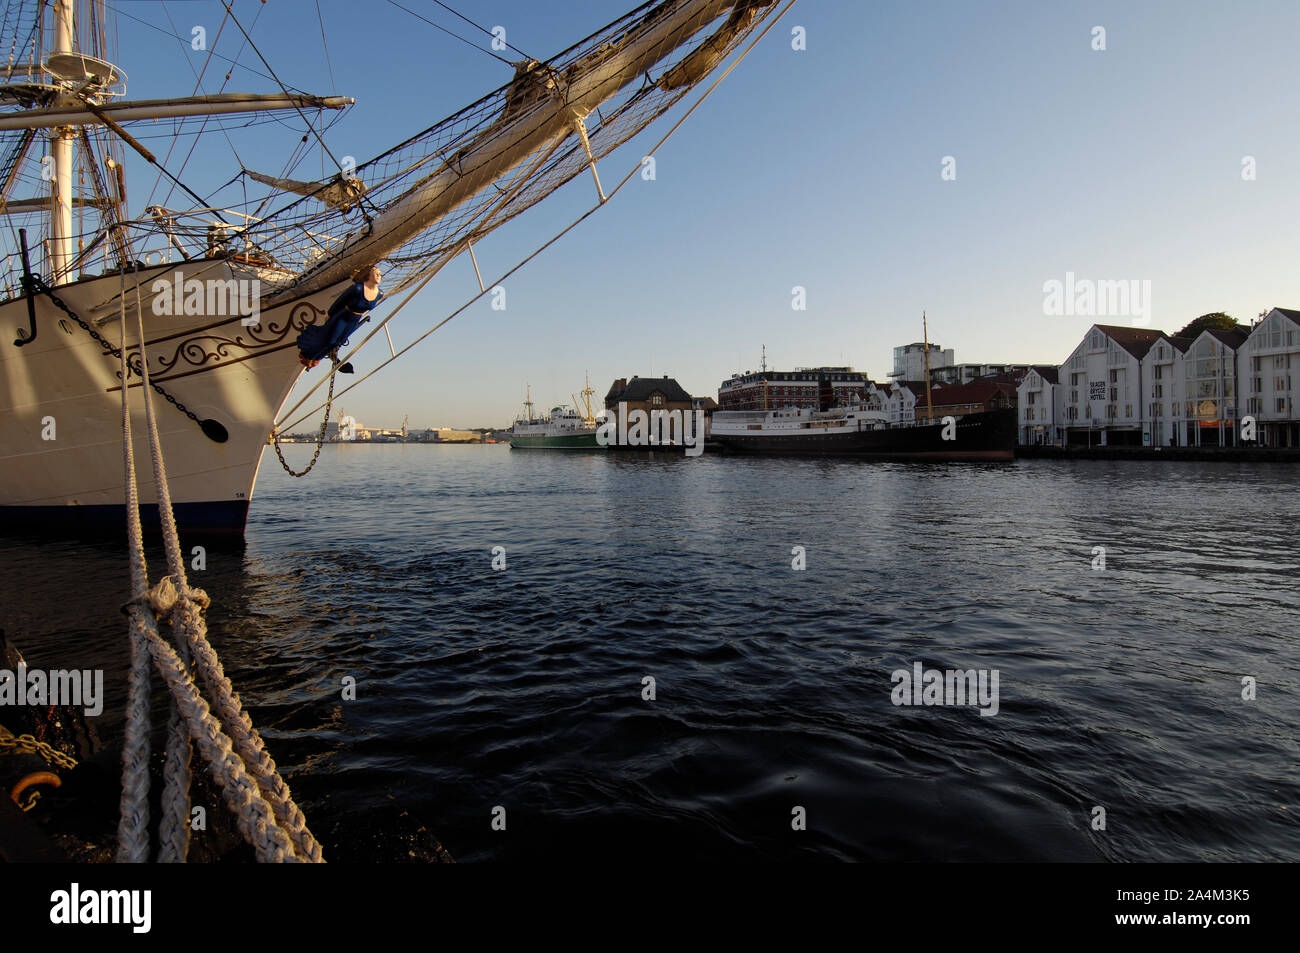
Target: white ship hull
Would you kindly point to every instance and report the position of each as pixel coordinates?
(63, 385)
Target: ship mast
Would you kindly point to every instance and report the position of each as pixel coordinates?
(61, 138)
(925, 338)
(587, 418)
(83, 87)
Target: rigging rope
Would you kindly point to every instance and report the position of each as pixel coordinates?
(484, 29)
(568, 228)
(456, 35)
(198, 86)
(302, 115)
(265, 812)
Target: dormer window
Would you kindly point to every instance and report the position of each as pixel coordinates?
(656, 400)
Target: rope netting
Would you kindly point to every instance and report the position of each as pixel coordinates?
(410, 207)
(302, 238)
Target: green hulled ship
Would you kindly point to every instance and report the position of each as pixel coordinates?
(563, 429)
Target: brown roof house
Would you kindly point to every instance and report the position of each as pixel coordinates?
(660, 398)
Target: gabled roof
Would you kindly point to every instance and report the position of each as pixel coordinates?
(640, 388)
(1137, 341)
(1047, 372)
(1233, 337)
(916, 387)
(1180, 344)
(974, 392)
(1293, 315)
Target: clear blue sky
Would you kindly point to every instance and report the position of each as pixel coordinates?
(818, 168)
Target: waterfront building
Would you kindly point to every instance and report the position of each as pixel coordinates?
(1270, 366)
(956, 400)
(1209, 396)
(650, 394)
(909, 361)
(1127, 386)
(1102, 384)
(1038, 399)
(966, 373)
(764, 390)
(1163, 379)
(898, 400)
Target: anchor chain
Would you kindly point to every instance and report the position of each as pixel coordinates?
(320, 436)
(27, 744)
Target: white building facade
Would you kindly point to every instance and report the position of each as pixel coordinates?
(1163, 378)
(1270, 369)
(1102, 387)
(1210, 389)
(909, 361)
(1038, 399)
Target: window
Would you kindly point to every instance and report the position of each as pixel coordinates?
(656, 400)
(1114, 377)
(1160, 371)
(1281, 405)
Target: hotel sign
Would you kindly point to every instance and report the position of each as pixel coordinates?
(1096, 390)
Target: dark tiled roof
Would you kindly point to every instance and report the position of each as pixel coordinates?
(1233, 337)
(974, 392)
(1048, 373)
(916, 387)
(1293, 315)
(640, 388)
(1137, 341)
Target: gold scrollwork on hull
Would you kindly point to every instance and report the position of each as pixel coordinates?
(209, 348)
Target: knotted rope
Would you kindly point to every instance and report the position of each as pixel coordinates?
(251, 785)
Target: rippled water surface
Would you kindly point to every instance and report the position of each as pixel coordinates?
(476, 688)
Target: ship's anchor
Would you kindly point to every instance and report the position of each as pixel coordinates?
(27, 336)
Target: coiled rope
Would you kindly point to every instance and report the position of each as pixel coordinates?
(251, 786)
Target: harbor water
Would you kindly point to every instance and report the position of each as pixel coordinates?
(641, 672)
